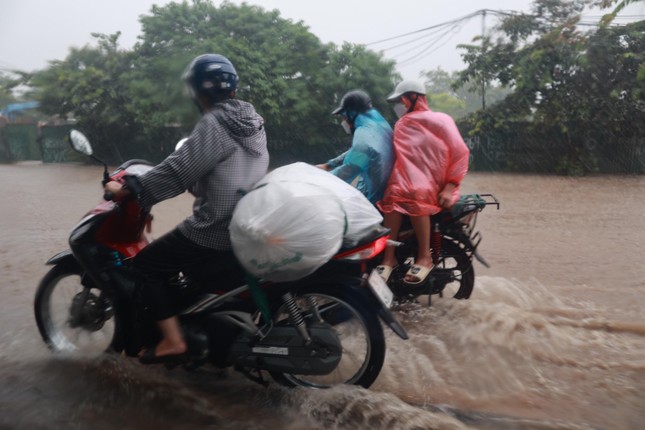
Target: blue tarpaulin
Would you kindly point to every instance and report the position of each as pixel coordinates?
(10, 110)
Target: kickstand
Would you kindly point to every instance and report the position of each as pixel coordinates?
(254, 375)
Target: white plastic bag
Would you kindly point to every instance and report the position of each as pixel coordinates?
(285, 230)
(362, 216)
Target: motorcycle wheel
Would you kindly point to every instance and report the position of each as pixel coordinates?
(457, 266)
(73, 318)
(360, 333)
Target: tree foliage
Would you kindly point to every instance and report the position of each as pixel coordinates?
(9, 81)
(541, 74)
(292, 78)
(456, 99)
(619, 6)
(90, 87)
(285, 71)
(575, 84)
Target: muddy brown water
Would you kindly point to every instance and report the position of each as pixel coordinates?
(552, 338)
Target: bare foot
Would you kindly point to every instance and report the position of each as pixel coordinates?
(166, 347)
(392, 263)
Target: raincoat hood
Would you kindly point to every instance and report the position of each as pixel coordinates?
(243, 122)
(421, 104)
(372, 116)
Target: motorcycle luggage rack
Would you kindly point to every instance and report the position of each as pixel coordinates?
(494, 202)
(468, 202)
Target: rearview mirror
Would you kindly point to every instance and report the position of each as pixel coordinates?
(180, 143)
(80, 143)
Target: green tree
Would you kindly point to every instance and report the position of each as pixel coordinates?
(285, 71)
(620, 5)
(132, 103)
(568, 84)
(8, 82)
(447, 95)
(89, 87)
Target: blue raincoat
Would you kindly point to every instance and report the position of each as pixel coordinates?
(370, 159)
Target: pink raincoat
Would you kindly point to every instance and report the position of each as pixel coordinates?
(430, 153)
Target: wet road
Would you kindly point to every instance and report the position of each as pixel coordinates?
(552, 338)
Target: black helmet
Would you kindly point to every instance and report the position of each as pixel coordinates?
(211, 74)
(356, 101)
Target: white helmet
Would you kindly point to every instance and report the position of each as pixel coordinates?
(407, 86)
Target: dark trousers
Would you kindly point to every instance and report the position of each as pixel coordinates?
(166, 257)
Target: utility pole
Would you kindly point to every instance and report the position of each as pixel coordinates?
(483, 83)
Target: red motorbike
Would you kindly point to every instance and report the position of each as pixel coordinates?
(318, 331)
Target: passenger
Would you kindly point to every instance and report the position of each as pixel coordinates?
(226, 152)
(369, 160)
(431, 161)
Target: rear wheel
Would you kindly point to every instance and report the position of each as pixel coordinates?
(72, 317)
(455, 274)
(359, 331)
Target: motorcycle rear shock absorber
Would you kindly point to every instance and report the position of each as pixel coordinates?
(296, 317)
(435, 242)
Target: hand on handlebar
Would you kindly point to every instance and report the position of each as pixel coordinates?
(114, 191)
(444, 199)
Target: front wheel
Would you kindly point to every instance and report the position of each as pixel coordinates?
(72, 317)
(359, 331)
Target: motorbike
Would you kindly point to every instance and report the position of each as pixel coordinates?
(454, 240)
(318, 331)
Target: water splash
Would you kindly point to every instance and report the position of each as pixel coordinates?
(514, 348)
(348, 407)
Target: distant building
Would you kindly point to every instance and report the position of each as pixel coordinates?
(18, 112)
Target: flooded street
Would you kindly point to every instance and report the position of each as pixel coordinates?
(553, 336)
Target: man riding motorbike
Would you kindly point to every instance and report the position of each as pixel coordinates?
(226, 152)
(371, 156)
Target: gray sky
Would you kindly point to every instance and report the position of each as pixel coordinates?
(33, 32)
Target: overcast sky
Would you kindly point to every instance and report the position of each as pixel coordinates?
(33, 32)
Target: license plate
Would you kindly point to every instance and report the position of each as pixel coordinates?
(380, 289)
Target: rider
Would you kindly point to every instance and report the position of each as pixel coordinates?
(371, 156)
(431, 161)
(226, 152)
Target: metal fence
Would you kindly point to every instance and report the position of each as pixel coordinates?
(517, 152)
(21, 142)
(543, 154)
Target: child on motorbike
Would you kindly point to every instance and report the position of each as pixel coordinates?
(226, 152)
(431, 161)
(371, 156)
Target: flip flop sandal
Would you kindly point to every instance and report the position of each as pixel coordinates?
(384, 271)
(419, 272)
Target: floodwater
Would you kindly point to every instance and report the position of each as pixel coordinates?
(553, 336)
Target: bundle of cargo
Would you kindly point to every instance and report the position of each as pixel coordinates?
(295, 219)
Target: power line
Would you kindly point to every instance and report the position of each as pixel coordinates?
(417, 45)
(451, 22)
(424, 29)
(433, 38)
(476, 13)
(428, 48)
(438, 30)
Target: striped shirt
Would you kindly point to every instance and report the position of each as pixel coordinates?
(225, 153)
